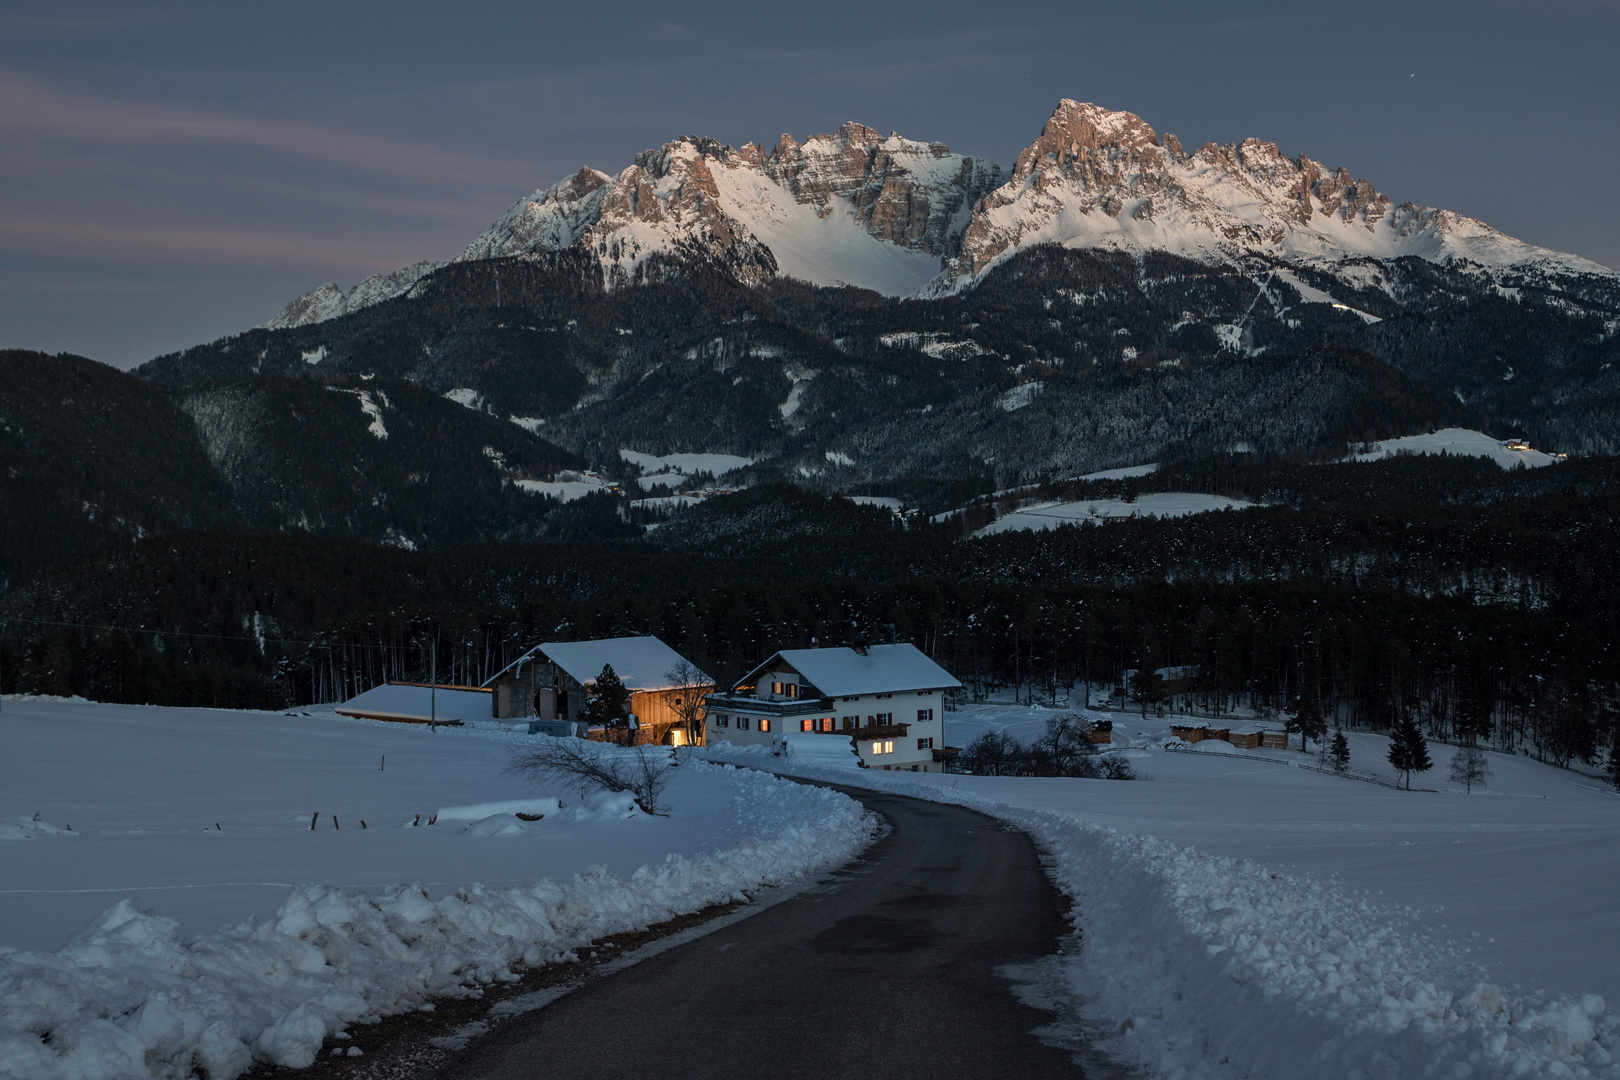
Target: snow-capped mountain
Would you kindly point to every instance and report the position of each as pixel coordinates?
(1102, 179)
(909, 218)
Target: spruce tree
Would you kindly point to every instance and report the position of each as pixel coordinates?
(1305, 718)
(1408, 752)
(1339, 753)
(609, 705)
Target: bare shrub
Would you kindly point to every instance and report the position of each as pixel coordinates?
(641, 771)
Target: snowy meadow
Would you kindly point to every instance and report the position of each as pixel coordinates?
(166, 906)
(1238, 917)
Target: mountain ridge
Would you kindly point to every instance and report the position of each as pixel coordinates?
(910, 218)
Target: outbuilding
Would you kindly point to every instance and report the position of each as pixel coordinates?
(547, 686)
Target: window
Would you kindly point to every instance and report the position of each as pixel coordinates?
(926, 744)
(792, 689)
(924, 715)
(722, 720)
(742, 723)
(764, 724)
(925, 693)
(851, 723)
(806, 725)
(824, 724)
(883, 718)
(882, 746)
(776, 688)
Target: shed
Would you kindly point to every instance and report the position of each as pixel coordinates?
(421, 703)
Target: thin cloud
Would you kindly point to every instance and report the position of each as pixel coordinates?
(29, 107)
(360, 255)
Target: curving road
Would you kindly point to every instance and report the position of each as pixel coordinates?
(887, 970)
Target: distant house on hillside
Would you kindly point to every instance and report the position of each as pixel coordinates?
(421, 703)
(547, 686)
(887, 699)
(1177, 679)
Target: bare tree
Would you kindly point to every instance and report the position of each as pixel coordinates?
(687, 688)
(1469, 768)
(642, 771)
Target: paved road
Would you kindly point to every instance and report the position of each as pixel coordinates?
(887, 971)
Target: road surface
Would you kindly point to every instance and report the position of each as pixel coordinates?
(887, 970)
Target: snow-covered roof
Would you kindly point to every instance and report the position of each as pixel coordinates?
(641, 663)
(881, 669)
(417, 703)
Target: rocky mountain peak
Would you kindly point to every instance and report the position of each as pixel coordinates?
(904, 217)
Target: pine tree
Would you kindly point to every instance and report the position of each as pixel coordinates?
(1305, 719)
(1408, 751)
(1339, 753)
(609, 705)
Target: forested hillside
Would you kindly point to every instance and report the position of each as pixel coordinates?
(1494, 588)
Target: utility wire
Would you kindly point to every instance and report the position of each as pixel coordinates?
(195, 634)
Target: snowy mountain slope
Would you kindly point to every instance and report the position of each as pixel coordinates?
(906, 218)
(1102, 179)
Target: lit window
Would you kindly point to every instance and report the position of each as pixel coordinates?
(888, 746)
(764, 724)
(824, 724)
(806, 725)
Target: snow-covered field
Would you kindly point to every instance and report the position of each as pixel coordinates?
(1242, 918)
(568, 486)
(165, 905)
(1159, 504)
(1457, 442)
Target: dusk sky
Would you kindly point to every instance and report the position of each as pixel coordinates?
(176, 171)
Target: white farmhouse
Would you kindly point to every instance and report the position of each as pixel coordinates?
(888, 700)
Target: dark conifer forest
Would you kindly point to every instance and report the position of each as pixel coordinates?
(289, 516)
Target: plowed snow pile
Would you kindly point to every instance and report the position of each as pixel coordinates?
(1280, 963)
(257, 971)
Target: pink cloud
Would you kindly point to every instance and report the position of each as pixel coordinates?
(241, 246)
(29, 107)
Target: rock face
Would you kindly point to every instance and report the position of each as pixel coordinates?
(329, 301)
(1103, 179)
(909, 218)
(852, 207)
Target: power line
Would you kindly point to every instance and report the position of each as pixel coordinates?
(196, 634)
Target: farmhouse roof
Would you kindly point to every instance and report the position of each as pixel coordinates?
(880, 669)
(419, 703)
(641, 663)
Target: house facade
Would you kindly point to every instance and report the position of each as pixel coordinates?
(546, 686)
(887, 701)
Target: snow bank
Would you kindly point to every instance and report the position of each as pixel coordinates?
(31, 828)
(1201, 966)
(130, 998)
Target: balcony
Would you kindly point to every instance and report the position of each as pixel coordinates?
(880, 731)
(765, 707)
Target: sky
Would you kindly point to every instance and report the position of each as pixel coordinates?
(173, 171)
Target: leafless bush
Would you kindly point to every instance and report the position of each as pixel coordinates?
(642, 771)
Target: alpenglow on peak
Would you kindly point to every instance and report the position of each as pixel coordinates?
(908, 218)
